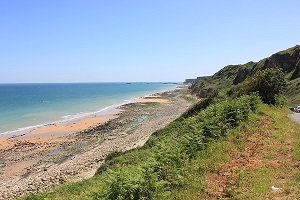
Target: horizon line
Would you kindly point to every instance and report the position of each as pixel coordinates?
(6, 83)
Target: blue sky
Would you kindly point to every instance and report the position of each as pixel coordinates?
(138, 40)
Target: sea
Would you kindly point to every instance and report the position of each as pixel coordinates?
(25, 106)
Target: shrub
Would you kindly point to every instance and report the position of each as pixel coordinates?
(193, 144)
(125, 185)
(280, 100)
(268, 84)
(217, 119)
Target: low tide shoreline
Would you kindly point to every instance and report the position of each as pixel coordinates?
(68, 126)
(44, 158)
(56, 129)
(65, 117)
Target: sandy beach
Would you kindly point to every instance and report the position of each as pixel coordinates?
(57, 153)
(53, 131)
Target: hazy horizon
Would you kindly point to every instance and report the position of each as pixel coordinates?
(168, 82)
(138, 41)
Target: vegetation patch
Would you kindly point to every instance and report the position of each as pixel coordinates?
(228, 146)
(161, 167)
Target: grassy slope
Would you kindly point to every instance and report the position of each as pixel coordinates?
(181, 162)
(267, 155)
(264, 151)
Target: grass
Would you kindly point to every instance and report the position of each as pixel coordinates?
(264, 151)
(161, 168)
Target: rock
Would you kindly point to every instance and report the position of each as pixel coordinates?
(43, 179)
(276, 189)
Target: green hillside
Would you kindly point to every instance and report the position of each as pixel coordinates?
(226, 146)
(203, 157)
(288, 61)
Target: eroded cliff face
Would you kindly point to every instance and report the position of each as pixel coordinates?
(285, 60)
(288, 61)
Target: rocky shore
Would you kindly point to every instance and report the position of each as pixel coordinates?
(31, 166)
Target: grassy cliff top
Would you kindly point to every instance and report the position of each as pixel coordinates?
(287, 60)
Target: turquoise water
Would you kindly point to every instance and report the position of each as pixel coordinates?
(26, 105)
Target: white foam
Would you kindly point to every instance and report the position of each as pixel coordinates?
(66, 116)
(70, 118)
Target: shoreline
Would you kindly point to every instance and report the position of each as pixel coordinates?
(39, 161)
(64, 120)
(65, 127)
(70, 119)
(81, 115)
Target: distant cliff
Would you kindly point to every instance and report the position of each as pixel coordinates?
(194, 80)
(190, 81)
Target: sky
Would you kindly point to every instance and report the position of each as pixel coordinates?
(138, 40)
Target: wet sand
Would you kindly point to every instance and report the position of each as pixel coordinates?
(151, 99)
(54, 131)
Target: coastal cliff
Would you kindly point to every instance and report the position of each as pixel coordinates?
(226, 146)
(288, 61)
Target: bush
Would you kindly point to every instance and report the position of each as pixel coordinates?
(280, 100)
(136, 183)
(268, 84)
(125, 184)
(219, 118)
